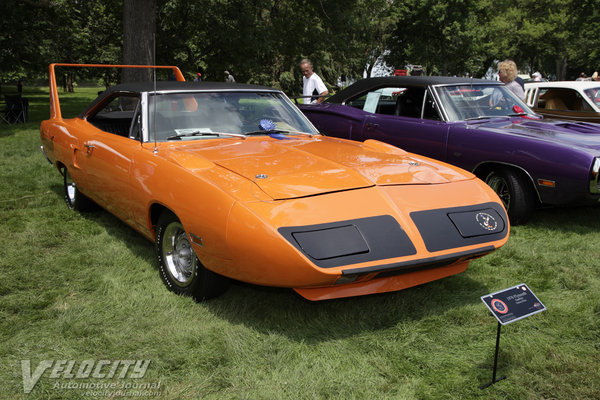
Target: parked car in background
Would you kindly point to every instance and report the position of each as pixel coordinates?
(571, 100)
(232, 181)
(477, 125)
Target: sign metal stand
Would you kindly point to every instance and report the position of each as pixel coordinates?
(510, 305)
(494, 380)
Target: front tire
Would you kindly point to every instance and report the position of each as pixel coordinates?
(179, 267)
(515, 191)
(73, 197)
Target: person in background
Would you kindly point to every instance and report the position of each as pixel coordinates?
(312, 83)
(229, 78)
(537, 77)
(518, 79)
(582, 77)
(507, 73)
(198, 77)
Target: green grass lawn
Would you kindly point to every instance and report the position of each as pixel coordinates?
(86, 287)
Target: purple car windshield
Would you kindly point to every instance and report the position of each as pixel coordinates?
(468, 102)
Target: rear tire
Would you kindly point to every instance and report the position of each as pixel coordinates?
(179, 267)
(515, 191)
(73, 197)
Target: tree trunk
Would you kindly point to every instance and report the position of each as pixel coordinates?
(70, 86)
(561, 69)
(370, 69)
(139, 26)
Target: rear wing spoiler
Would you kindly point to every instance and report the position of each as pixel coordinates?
(55, 112)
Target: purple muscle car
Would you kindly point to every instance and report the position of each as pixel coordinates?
(478, 125)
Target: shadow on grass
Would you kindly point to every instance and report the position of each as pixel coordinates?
(137, 244)
(283, 312)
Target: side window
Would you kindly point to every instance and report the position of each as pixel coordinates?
(430, 110)
(357, 102)
(388, 100)
(115, 115)
(579, 103)
(530, 97)
(410, 102)
(562, 99)
(541, 101)
(379, 101)
(135, 132)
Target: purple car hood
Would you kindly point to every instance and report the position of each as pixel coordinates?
(575, 134)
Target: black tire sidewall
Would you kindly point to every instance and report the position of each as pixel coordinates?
(522, 201)
(204, 285)
(163, 222)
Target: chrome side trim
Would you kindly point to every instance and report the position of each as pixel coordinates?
(438, 102)
(145, 118)
(45, 155)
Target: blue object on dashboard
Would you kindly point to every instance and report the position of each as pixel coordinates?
(267, 125)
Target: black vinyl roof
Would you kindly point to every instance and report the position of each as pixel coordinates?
(175, 85)
(370, 84)
(139, 87)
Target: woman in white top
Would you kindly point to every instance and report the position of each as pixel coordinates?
(507, 72)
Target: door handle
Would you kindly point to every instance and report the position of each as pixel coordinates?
(371, 126)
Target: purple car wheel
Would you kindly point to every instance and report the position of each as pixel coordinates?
(515, 192)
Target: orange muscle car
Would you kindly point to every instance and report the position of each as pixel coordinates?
(232, 181)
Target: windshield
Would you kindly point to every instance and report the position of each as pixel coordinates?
(594, 95)
(202, 115)
(464, 102)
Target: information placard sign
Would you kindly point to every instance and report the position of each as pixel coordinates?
(512, 304)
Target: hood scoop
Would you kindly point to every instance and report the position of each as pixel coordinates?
(286, 179)
(286, 169)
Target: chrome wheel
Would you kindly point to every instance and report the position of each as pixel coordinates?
(73, 197)
(500, 186)
(179, 267)
(179, 257)
(70, 189)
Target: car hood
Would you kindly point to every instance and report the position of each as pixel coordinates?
(291, 168)
(576, 134)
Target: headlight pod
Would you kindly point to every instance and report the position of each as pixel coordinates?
(448, 228)
(350, 242)
(333, 242)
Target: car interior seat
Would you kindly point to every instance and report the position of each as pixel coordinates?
(554, 103)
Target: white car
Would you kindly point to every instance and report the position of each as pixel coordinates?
(572, 100)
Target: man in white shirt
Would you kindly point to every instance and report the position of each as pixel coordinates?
(229, 78)
(311, 82)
